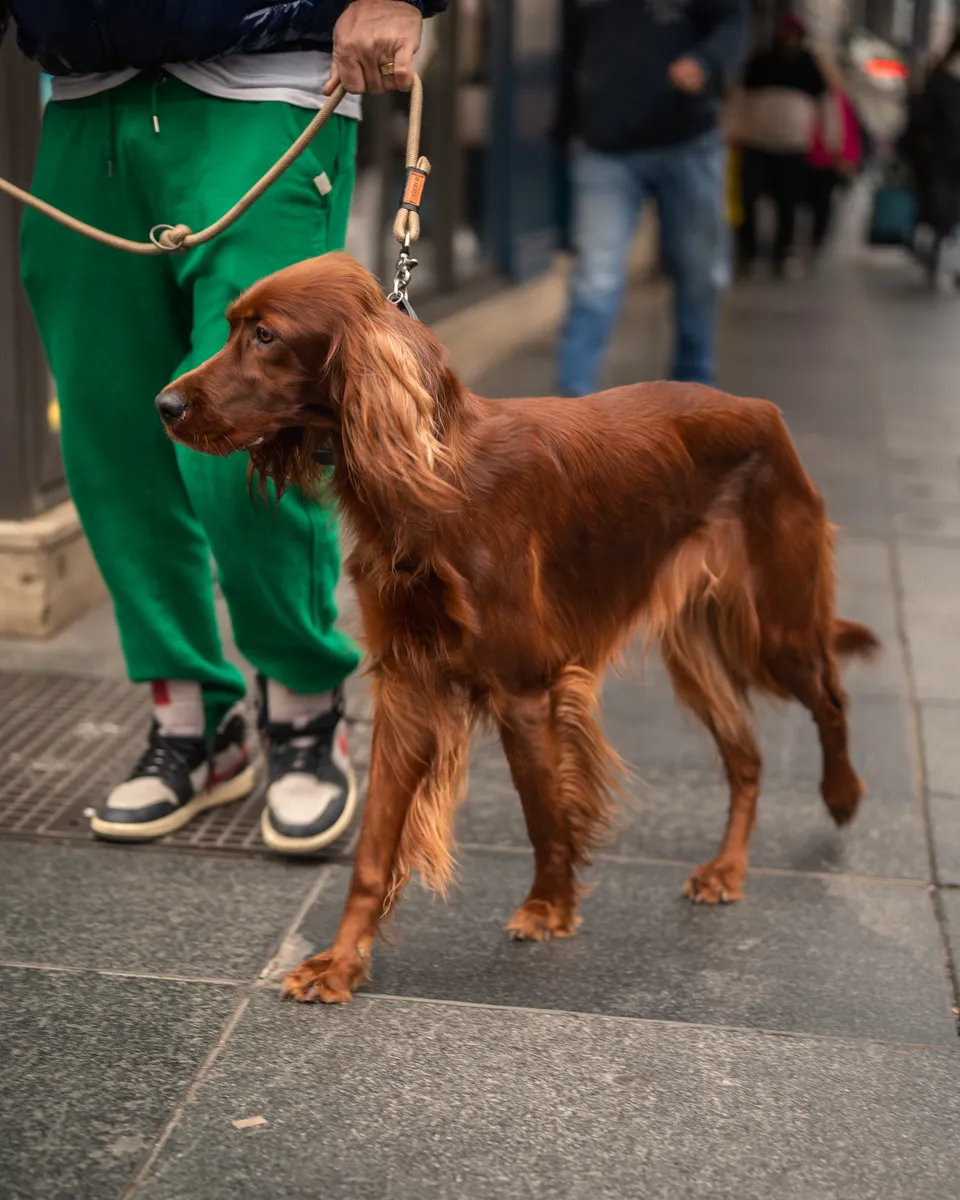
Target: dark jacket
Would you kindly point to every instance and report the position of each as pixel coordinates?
(775, 68)
(616, 94)
(931, 144)
(935, 121)
(78, 36)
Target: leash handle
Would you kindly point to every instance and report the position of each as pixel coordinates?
(165, 239)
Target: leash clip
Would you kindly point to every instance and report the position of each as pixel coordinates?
(401, 280)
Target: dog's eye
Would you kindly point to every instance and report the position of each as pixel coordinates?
(264, 336)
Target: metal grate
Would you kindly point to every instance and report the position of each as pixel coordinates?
(65, 740)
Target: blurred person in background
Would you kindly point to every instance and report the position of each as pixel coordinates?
(931, 145)
(639, 108)
(171, 111)
(774, 114)
(835, 155)
(878, 97)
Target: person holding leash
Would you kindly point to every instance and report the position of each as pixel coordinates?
(173, 113)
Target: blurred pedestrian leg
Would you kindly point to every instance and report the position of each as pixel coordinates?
(606, 203)
(686, 182)
(695, 248)
(822, 182)
(782, 177)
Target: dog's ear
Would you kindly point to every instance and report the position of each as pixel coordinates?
(378, 382)
(395, 387)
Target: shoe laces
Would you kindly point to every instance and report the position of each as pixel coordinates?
(302, 755)
(302, 750)
(166, 754)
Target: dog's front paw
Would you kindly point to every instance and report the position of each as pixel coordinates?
(715, 883)
(539, 921)
(326, 978)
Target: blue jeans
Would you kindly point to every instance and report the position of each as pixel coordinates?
(687, 184)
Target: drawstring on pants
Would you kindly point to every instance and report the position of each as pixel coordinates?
(111, 132)
(157, 79)
(154, 104)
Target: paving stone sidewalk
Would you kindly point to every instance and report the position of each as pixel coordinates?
(799, 1045)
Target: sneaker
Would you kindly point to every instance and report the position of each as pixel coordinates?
(175, 779)
(312, 789)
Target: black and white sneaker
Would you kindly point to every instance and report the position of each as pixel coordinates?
(174, 780)
(312, 789)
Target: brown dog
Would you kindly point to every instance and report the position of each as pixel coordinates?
(505, 551)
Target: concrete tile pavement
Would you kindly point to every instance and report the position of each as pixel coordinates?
(406, 1098)
(801, 1044)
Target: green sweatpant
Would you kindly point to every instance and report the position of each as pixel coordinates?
(118, 327)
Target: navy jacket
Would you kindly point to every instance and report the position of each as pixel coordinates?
(78, 36)
(616, 94)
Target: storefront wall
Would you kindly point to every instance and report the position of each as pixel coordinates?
(31, 471)
(522, 180)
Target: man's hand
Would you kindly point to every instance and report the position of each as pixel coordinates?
(687, 75)
(368, 34)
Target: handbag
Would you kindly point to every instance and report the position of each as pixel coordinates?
(893, 217)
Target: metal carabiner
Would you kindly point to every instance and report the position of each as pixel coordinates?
(401, 280)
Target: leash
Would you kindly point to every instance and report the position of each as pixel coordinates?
(166, 239)
(171, 239)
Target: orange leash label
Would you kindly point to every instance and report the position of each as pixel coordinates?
(413, 192)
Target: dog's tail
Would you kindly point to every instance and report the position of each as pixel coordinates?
(853, 640)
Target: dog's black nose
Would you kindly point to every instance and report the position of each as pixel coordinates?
(171, 406)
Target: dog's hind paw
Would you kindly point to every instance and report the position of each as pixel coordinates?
(325, 979)
(841, 791)
(539, 921)
(715, 883)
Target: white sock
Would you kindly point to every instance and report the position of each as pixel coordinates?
(293, 708)
(178, 707)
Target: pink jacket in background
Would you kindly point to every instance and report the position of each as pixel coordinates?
(836, 135)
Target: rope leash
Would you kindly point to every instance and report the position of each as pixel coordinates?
(169, 239)
(166, 239)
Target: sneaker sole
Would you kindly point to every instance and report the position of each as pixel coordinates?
(227, 792)
(284, 844)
